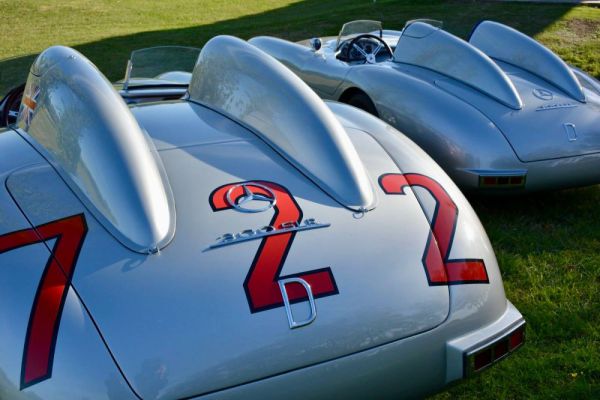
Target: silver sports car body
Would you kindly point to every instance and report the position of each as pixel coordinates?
(247, 241)
(499, 112)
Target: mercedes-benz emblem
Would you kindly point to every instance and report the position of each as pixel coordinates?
(543, 94)
(251, 202)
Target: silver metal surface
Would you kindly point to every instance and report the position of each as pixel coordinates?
(284, 112)
(506, 44)
(434, 49)
(81, 125)
(187, 322)
(469, 110)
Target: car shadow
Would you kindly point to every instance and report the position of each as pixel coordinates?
(542, 222)
(298, 21)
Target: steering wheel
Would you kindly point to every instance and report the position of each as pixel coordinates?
(10, 106)
(365, 49)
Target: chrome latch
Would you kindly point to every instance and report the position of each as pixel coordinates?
(571, 132)
(288, 308)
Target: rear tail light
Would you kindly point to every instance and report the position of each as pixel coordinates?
(481, 358)
(500, 181)
(517, 338)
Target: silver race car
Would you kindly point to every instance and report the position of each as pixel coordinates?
(247, 241)
(500, 113)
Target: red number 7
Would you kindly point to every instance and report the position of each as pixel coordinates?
(44, 320)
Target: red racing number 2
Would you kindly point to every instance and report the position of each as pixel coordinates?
(261, 283)
(440, 270)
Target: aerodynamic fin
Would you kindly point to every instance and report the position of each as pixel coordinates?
(251, 87)
(429, 47)
(506, 44)
(72, 115)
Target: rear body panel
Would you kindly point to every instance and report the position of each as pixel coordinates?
(218, 340)
(77, 345)
(415, 379)
(550, 125)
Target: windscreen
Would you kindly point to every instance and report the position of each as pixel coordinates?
(354, 28)
(169, 64)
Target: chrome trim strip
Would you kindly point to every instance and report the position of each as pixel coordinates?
(555, 106)
(250, 234)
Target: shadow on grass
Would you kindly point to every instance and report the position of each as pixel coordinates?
(549, 222)
(298, 21)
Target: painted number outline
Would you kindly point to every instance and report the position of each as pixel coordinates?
(260, 285)
(439, 270)
(51, 293)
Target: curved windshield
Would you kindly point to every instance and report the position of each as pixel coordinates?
(354, 28)
(164, 65)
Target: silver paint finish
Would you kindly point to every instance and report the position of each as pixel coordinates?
(85, 130)
(373, 370)
(506, 44)
(432, 48)
(460, 126)
(178, 322)
(198, 299)
(284, 112)
(78, 346)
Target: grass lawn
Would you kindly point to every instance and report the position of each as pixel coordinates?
(548, 245)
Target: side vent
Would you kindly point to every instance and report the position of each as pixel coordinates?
(509, 45)
(246, 84)
(72, 115)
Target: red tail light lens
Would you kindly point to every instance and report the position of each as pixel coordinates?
(481, 358)
(488, 181)
(517, 338)
(500, 181)
(500, 350)
(517, 180)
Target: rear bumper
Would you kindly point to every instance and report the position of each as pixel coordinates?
(560, 173)
(563, 172)
(409, 368)
(460, 351)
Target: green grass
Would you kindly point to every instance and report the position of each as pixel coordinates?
(548, 248)
(548, 245)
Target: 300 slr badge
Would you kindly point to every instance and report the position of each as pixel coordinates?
(252, 234)
(254, 197)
